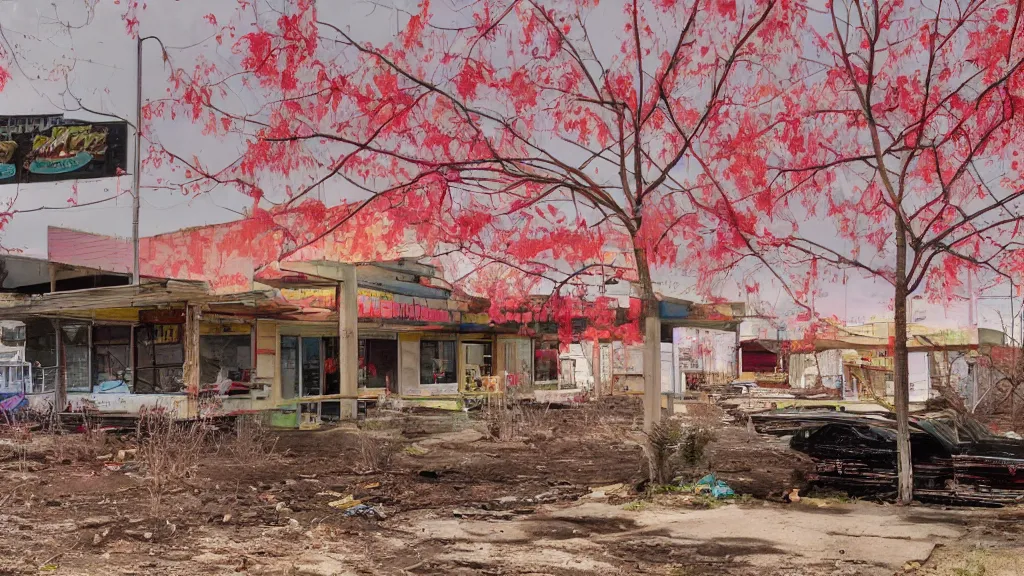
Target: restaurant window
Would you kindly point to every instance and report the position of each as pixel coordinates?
(545, 362)
(289, 366)
(437, 362)
(302, 366)
(111, 368)
(225, 360)
(75, 338)
(159, 358)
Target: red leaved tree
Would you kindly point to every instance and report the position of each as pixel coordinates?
(894, 153)
(542, 136)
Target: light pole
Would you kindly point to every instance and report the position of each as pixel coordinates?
(137, 175)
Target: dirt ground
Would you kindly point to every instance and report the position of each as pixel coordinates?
(554, 491)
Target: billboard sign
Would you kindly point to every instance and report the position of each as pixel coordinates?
(52, 148)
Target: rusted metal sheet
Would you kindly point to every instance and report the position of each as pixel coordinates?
(97, 251)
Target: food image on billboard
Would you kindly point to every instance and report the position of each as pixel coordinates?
(51, 148)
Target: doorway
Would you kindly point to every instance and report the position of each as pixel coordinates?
(378, 364)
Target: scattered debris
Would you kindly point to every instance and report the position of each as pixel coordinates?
(713, 486)
(364, 510)
(344, 503)
(606, 491)
(477, 513)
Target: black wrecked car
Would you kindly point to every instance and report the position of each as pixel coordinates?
(955, 459)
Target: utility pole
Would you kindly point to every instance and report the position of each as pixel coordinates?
(137, 174)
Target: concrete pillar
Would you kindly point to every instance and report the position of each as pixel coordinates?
(677, 384)
(348, 341)
(60, 391)
(739, 354)
(190, 368)
(652, 371)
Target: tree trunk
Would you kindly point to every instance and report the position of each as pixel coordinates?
(901, 377)
(651, 324)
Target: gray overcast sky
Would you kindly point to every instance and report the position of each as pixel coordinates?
(100, 63)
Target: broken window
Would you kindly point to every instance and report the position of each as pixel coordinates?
(225, 358)
(41, 352)
(110, 358)
(159, 357)
(75, 337)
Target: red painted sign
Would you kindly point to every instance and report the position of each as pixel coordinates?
(370, 307)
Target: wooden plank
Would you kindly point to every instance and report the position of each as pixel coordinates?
(190, 369)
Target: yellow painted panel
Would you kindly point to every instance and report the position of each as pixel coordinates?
(452, 405)
(117, 314)
(225, 328)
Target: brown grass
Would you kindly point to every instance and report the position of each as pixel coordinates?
(252, 439)
(376, 452)
(169, 450)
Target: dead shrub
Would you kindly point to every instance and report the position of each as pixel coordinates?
(252, 439)
(672, 447)
(84, 447)
(168, 450)
(376, 452)
(504, 418)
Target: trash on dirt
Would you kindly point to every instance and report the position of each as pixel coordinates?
(414, 450)
(477, 513)
(606, 491)
(116, 466)
(345, 503)
(364, 510)
(713, 486)
(330, 493)
(371, 485)
(791, 495)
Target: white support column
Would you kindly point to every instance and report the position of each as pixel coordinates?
(652, 372)
(348, 341)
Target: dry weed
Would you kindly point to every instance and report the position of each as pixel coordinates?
(253, 438)
(169, 450)
(376, 452)
(672, 447)
(504, 418)
(86, 446)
